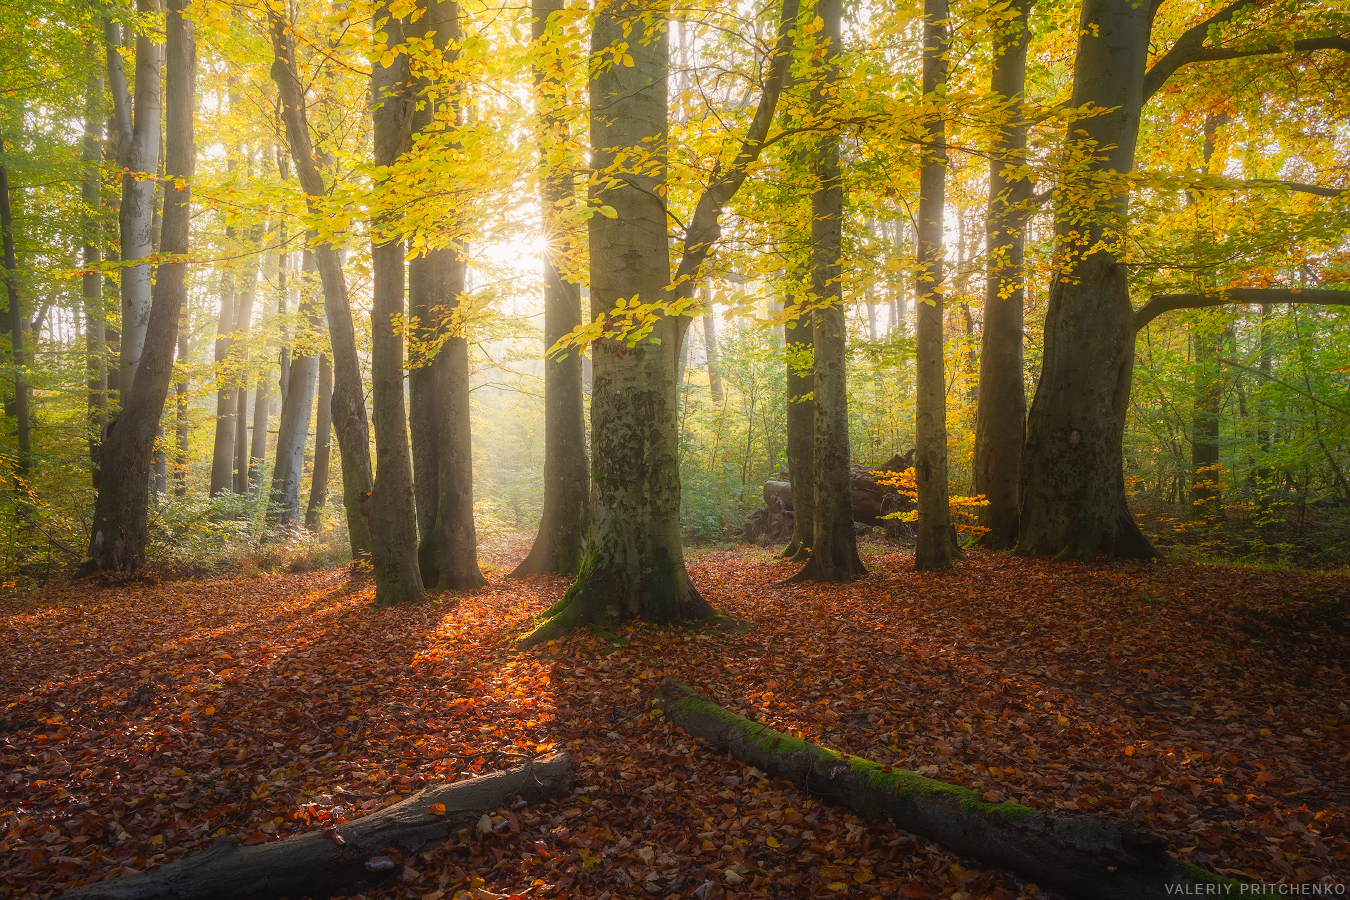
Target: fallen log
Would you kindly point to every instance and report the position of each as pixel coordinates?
(1088, 856)
(321, 863)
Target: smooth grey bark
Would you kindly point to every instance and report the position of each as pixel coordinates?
(227, 404)
(18, 355)
(350, 422)
(323, 429)
(293, 429)
(91, 281)
(560, 545)
(262, 398)
(1073, 483)
(710, 350)
(243, 322)
(932, 546)
(1001, 408)
(119, 530)
(138, 145)
(442, 446)
(635, 562)
(393, 515)
(182, 404)
(801, 428)
(834, 541)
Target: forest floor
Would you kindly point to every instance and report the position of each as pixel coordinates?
(140, 722)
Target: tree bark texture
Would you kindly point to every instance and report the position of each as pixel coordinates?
(91, 281)
(635, 560)
(834, 541)
(18, 355)
(932, 545)
(119, 531)
(138, 157)
(315, 865)
(442, 444)
(227, 404)
(801, 429)
(1090, 857)
(288, 471)
(1073, 484)
(1001, 409)
(560, 545)
(350, 422)
(323, 428)
(243, 322)
(393, 512)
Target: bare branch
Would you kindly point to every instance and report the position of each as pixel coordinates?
(1161, 303)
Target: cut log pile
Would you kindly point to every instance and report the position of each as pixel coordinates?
(871, 502)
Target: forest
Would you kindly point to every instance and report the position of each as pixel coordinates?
(614, 449)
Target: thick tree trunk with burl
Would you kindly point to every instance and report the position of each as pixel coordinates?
(1001, 411)
(353, 855)
(932, 546)
(119, 532)
(1074, 503)
(834, 542)
(350, 422)
(1091, 857)
(560, 545)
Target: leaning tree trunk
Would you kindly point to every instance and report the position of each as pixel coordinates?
(834, 541)
(635, 564)
(334, 862)
(119, 532)
(801, 427)
(293, 430)
(91, 282)
(138, 156)
(393, 512)
(442, 444)
(1001, 409)
(1091, 857)
(561, 543)
(323, 428)
(932, 545)
(1073, 484)
(349, 405)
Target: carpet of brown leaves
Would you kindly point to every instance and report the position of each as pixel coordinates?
(141, 722)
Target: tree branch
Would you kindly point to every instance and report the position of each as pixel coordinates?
(1190, 48)
(1161, 303)
(1297, 186)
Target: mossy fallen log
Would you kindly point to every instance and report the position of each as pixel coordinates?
(1087, 856)
(322, 863)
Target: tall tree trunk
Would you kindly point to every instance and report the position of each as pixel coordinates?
(262, 399)
(180, 459)
(439, 388)
(393, 516)
(710, 349)
(349, 405)
(18, 355)
(243, 322)
(561, 543)
(1206, 499)
(323, 428)
(834, 542)
(138, 152)
(222, 449)
(293, 430)
(635, 563)
(1073, 484)
(1001, 409)
(801, 430)
(119, 533)
(91, 282)
(932, 546)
